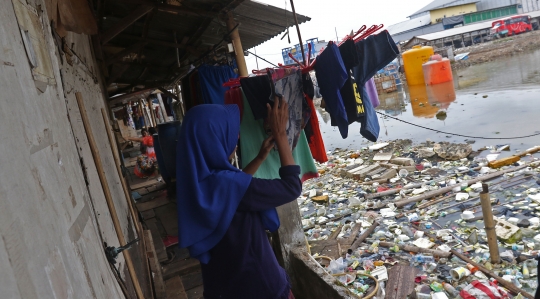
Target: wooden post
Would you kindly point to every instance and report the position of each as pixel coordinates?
(237, 44)
(141, 106)
(507, 284)
(108, 197)
(489, 225)
(298, 31)
(127, 193)
(152, 112)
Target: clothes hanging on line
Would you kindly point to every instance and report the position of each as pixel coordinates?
(212, 79)
(374, 53)
(331, 76)
(313, 135)
(350, 93)
(371, 91)
(286, 82)
(234, 96)
(252, 135)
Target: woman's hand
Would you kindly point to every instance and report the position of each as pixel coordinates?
(278, 117)
(266, 147)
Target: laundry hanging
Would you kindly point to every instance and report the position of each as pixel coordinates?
(285, 82)
(331, 76)
(374, 53)
(212, 79)
(252, 135)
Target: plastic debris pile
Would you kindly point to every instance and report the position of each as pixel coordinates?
(397, 207)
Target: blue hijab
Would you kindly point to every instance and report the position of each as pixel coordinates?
(209, 188)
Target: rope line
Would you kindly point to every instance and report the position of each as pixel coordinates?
(454, 134)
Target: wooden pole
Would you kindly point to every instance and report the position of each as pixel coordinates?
(116, 157)
(409, 200)
(415, 249)
(489, 225)
(141, 106)
(366, 234)
(500, 280)
(107, 192)
(238, 50)
(510, 286)
(152, 112)
(298, 31)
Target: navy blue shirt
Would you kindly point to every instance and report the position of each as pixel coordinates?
(242, 264)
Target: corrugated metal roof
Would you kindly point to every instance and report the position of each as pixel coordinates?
(198, 25)
(438, 4)
(409, 25)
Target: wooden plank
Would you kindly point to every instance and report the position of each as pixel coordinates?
(181, 267)
(145, 184)
(148, 214)
(159, 247)
(124, 23)
(168, 216)
(155, 203)
(175, 288)
(400, 281)
(155, 266)
(195, 293)
(107, 192)
(192, 280)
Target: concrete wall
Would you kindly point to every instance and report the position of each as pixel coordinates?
(451, 11)
(53, 214)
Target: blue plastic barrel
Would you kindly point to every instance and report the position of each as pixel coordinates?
(168, 136)
(159, 157)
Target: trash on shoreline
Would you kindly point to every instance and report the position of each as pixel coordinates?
(395, 204)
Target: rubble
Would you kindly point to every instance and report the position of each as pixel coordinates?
(391, 205)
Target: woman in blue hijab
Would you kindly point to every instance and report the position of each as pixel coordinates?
(223, 212)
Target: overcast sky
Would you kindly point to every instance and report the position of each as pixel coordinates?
(343, 15)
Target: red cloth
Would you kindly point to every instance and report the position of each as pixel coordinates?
(148, 141)
(316, 143)
(234, 96)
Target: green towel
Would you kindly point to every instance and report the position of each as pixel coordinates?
(252, 135)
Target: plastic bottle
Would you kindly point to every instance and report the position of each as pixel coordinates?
(450, 290)
(525, 271)
(436, 286)
(407, 231)
(472, 268)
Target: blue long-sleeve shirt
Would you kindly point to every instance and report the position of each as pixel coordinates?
(242, 264)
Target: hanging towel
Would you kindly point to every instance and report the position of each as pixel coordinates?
(212, 79)
(234, 96)
(252, 135)
(331, 76)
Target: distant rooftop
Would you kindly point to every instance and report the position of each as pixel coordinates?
(438, 4)
(409, 24)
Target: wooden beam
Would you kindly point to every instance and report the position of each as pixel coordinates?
(107, 192)
(238, 50)
(125, 23)
(162, 43)
(155, 266)
(133, 48)
(130, 96)
(185, 10)
(163, 90)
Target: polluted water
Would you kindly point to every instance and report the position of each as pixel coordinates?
(409, 207)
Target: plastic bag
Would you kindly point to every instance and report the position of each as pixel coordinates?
(482, 290)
